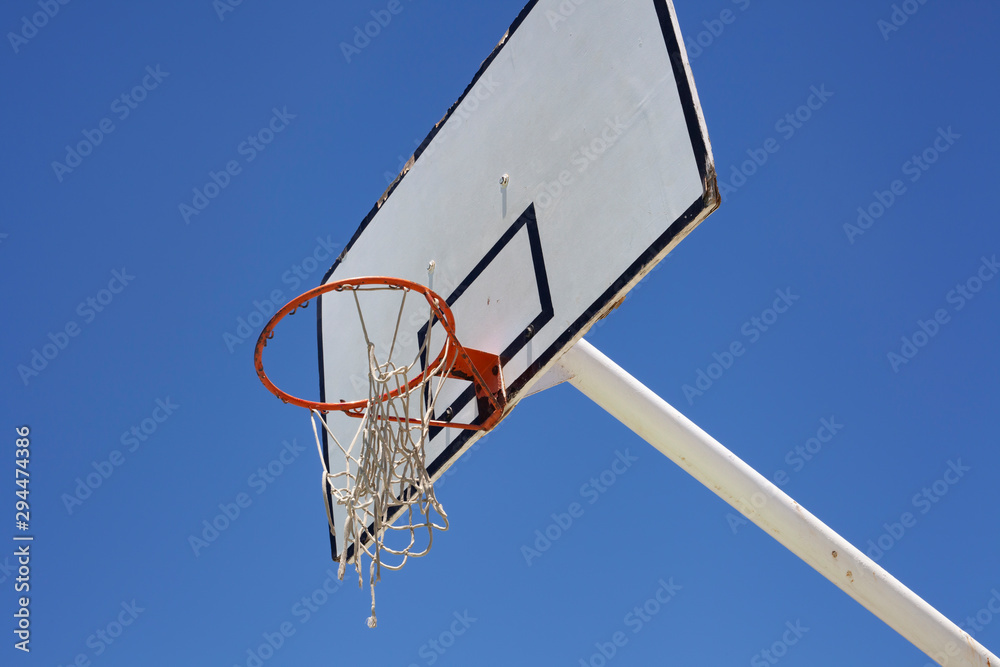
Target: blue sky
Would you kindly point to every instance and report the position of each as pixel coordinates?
(149, 384)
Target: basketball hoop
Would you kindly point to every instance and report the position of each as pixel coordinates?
(481, 368)
(384, 486)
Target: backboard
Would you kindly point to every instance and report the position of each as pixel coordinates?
(574, 162)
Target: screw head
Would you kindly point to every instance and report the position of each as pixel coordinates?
(504, 180)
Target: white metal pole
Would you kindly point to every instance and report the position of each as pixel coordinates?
(659, 424)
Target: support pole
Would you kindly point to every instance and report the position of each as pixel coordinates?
(754, 496)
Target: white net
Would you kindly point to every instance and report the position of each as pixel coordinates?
(383, 485)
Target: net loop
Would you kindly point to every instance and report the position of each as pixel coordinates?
(384, 485)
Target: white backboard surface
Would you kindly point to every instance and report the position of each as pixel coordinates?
(594, 117)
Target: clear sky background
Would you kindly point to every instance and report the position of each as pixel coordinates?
(122, 550)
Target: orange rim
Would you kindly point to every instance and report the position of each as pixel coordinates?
(439, 309)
